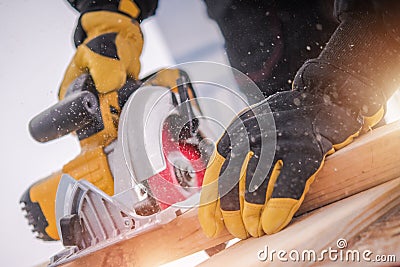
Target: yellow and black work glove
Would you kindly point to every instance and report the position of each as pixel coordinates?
(334, 98)
(307, 129)
(109, 45)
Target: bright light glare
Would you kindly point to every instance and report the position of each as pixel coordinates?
(393, 108)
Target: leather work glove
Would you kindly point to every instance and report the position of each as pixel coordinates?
(335, 97)
(109, 45)
(307, 129)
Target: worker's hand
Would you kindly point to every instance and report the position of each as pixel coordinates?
(109, 47)
(307, 129)
(326, 111)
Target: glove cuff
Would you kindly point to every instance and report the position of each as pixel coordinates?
(359, 67)
(138, 9)
(115, 10)
(363, 47)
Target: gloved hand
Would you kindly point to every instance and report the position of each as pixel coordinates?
(334, 97)
(109, 45)
(307, 129)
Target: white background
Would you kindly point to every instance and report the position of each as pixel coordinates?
(36, 47)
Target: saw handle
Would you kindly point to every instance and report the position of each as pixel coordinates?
(70, 114)
(79, 111)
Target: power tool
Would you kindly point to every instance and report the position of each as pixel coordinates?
(144, 153)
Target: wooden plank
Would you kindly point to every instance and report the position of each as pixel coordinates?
(318, 231)
(371, 160)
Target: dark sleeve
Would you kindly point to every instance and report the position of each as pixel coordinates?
(268, 39)
(363, 48)
(147, 7)
(388, 10)
(374, 6)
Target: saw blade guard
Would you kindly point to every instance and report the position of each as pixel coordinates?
(159, 139)
(89, 220)
(140, 132)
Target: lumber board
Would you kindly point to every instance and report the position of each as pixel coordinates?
(318, 231)
(371, 160)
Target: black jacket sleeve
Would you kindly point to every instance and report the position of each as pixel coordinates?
(388, 10)
(374, 6)
(377, 36)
